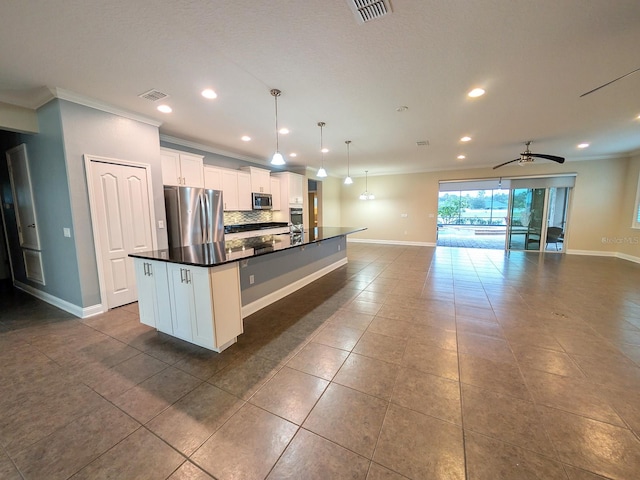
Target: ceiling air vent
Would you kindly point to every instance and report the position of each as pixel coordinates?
(153, 95)
(422, 143)
(367, 10)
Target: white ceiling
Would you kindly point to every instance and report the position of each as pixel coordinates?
(534, 58)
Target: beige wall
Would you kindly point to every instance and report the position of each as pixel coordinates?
(595, 205)
(627, 241)
(330, 198)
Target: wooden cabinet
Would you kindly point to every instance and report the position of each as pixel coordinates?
(275, 193)
(197, 304)
(212, 177)
(153, 294)
(260, 179)
(182, 169)
(244, 191)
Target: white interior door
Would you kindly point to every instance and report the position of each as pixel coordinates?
(123, 224)
(20, 178)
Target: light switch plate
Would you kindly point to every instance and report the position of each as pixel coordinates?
(160, 223)
(66, 232)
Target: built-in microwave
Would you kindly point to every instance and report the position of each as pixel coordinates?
(262, 201)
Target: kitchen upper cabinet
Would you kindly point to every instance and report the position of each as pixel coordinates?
(230, 189)
(291, 188)
(153, 294)
(182, 169)
(212, 177)
(275, 193)
(244, 191)
(260, 179)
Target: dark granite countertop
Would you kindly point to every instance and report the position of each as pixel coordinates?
(247, 227)
(219, 253)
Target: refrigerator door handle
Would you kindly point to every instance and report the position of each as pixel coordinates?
(207, 219)
(203, 218)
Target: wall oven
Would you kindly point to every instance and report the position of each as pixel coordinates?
(295, 219)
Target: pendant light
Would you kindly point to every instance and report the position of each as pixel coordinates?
(366, 195)
(348, 181)
(322, 172)
(277, 158)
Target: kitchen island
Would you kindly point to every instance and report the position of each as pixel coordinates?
(201, 293)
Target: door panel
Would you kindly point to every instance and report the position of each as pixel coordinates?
(123, 226)
(526, 218)
(20, 178)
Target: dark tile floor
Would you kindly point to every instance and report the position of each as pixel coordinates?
(409, 362)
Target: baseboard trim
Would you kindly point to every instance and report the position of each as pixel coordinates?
(629, 258)
(591, 253)
(58, 302)
(391, 242)
(273, 297)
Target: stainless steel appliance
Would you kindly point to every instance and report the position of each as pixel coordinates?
(295, 220)
(262, 201)
(194, 216)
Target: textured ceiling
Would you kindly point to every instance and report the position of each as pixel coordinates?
(534, 58)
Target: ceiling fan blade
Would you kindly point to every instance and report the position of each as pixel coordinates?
(555, 158)
(506, 163)
(609, 83)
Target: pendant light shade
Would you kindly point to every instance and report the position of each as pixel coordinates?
(322, 172)
(348, 180)
(277, 158)
(366, 195)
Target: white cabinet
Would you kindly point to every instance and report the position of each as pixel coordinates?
(260, 182)
(230, 189)
(275, 193)
(291, 187)
(244, 191)
(205, 304)
(182, 169)
(212, 177)
(153, 294)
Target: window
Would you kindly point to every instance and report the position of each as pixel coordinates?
(636, 210)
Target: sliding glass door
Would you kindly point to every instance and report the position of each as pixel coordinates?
(526, 218)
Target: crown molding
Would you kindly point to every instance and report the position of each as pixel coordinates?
(104, 107)
(210, 149)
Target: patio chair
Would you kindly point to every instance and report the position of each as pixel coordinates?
(554, 235)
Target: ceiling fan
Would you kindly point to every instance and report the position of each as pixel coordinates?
(609, 83)
(527, 157)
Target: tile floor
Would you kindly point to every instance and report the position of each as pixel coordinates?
(409, 362)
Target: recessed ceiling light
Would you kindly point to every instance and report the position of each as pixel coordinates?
(638, 117)
(476, 92)
(165, 109)
(293, 154)
(283, 131)
(208, 93)
(245, 138)
(583, 145)
(461, 157)
(325, 150)
(465, 139)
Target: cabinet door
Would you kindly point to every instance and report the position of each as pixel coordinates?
(191, 170)
(230, 189)
(225, 287)
(183, 305)
(275, 193)
(260, 180)
(146, 293)
(244, 191)
(202, 321)
(212, 178)
(153, 294)
(170, 168)
(295, 188)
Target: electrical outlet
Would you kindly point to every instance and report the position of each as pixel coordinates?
(160, 223)
(252, 279)
(66, 232)
(404, 215)
(339, 247)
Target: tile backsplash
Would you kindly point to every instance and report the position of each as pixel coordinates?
(253, 216)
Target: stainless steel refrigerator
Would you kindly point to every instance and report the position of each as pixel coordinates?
(194, 216)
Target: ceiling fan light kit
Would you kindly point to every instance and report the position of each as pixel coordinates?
(527, 157)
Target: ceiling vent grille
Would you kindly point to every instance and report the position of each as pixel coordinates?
(367, 10)
(153, 95)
